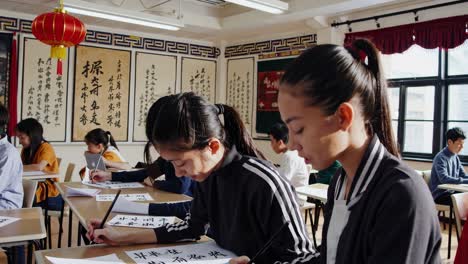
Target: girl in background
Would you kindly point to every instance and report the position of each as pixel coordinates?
(100, 141)
(38, 155)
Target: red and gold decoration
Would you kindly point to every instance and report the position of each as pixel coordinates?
(59, 30)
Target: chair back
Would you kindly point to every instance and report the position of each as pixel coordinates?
(69, 172)
(459, 210)
(29, 190)
(427, 176)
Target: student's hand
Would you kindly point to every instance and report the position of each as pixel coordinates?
(107, 235)
(239, 260)
(100, 176)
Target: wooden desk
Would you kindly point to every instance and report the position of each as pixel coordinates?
(92, 251)
(454, 187)
(317, 191)
(29, 227)
(87, 208)
(41, 176)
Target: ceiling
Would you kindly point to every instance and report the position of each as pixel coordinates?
(217, 21)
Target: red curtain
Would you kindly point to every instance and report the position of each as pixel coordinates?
(446, 33)
(13, 88)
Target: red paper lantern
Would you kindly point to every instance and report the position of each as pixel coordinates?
(60, 30)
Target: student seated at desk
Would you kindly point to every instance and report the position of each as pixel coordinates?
(171, 183)
(291, 166)
(378, 210)
(38, 155)
(325, 176)
(11, 168)
(447, 168)
(241, 197)
(100, 141)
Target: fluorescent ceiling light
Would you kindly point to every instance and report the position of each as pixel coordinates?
(111, 13)
(270, 6)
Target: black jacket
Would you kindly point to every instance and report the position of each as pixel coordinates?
(245, 202)
(393, 217)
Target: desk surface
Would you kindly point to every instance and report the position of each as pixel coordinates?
(29, 227)
(454, 187)
(316, 191)
(86, 208)
(92, 251)
(39, 175)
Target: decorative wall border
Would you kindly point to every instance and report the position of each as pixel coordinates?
(120, 40)
(269, 46)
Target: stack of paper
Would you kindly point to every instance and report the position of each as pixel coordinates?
(108, 259)
(6, 220)
(82, 192)
(134, 197)
(33, 173)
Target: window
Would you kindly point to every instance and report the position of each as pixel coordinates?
(428, 94)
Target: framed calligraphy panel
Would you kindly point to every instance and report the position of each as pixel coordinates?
(199, 76)
(155, 76)
(44, 93)
(240, 91)
(101, 94)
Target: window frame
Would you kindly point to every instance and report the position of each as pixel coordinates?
(441, 84)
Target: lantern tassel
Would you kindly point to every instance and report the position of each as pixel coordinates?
(59, 67)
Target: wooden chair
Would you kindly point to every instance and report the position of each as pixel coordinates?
(460, 211)
(29, 192)
(441, 208)
(60, 214)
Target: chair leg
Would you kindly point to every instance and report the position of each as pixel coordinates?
(309, 212)
(444, 217)
(59, 242)
(30, 250)
(49, 232)
(70, 221)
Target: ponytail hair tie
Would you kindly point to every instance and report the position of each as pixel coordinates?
(220, 108)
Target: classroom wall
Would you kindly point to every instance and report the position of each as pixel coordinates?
(179, 47)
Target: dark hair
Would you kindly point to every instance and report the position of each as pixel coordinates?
(455, 133)
(99, 136)
(33, 129)
(3, 118)
(149, 126)
(187, 121)
(329, 75)
(279, 131)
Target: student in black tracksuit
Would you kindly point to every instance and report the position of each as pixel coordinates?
(171, 183)
(242, 198)
(335, 104)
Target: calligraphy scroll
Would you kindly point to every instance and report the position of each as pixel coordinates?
(240, 83)
(44, 92)
(199, 76)
(101, 97)
(155, 76)
(5, 50)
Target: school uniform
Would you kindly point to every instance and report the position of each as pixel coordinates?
(244, 203)
(172, 183)
(388, 217)
(46, 152)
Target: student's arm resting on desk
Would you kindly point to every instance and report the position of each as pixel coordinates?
(114, 237)
(36, 167)
(174, 184)
(179, 210)
(190, 229)
(442, 173)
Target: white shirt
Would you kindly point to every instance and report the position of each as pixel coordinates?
(11, 176)
(294, 168)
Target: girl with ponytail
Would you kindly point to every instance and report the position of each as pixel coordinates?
(100, 141)
(241, 197)
(335, 104)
